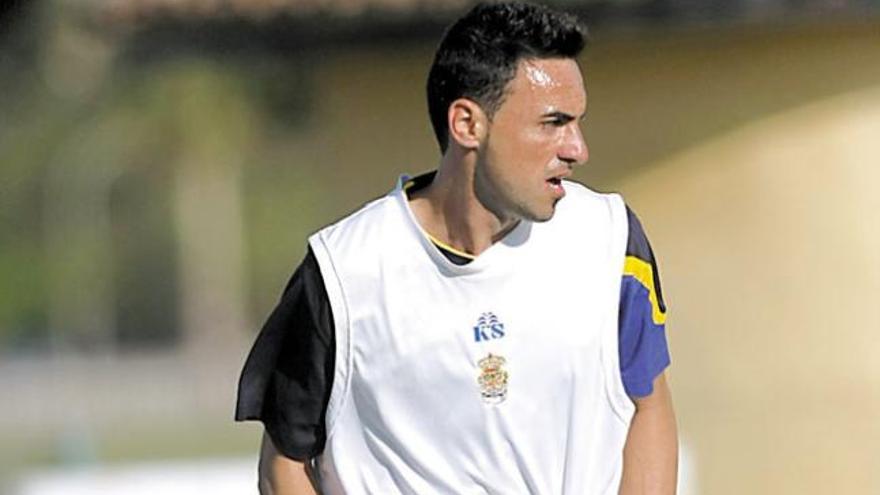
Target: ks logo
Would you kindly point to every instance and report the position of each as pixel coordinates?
(488, 328)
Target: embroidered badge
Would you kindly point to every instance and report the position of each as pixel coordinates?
(493, 379)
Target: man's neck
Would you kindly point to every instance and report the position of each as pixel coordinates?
(449, 210)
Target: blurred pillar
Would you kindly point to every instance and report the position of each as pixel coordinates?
(79, 253)
(213, 125)
(76, 216)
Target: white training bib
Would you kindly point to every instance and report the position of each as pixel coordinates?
(500, 376)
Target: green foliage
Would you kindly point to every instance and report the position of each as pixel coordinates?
(23, 292)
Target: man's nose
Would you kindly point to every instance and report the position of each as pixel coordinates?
(574, 150)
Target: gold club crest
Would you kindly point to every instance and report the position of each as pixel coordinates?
(493, 379)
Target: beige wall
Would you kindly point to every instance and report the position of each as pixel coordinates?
(770, 245)
(763, 213)
(751, 157)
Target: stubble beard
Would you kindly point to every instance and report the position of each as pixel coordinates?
(506, 207)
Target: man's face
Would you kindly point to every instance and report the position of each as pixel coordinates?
(533, 141)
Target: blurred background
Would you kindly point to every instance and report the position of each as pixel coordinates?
(162, 162)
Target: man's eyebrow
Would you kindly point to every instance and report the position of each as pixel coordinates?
(558, 115)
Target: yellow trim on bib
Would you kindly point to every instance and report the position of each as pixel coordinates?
(449, 248)
(643, 272)
(406, 186)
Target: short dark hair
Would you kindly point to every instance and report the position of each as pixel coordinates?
(479, 54)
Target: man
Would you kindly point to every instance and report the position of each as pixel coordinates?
(491, 327)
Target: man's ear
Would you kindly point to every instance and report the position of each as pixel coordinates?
(468, 123)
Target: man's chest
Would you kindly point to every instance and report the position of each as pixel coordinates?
(429, 341)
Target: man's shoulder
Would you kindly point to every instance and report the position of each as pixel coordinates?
(583, 191)
(586, 219)
(368, 217)
(579, 197)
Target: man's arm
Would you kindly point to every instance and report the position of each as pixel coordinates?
(650, 457)
(280, 475)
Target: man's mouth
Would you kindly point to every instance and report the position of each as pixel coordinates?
(555, 184)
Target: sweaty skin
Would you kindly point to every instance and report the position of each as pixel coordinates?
(538, 77)
(534, 136)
